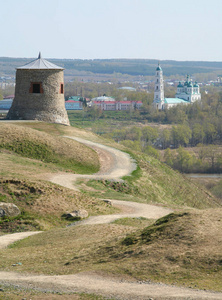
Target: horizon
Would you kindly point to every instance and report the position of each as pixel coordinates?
(120, 58)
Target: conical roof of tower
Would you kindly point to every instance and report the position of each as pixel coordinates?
(40, 64)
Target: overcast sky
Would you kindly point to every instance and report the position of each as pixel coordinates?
(89, 29)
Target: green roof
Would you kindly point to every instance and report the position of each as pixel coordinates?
(158, 68)
(75, 98)
(174, 101)
(196, 84)
(180, 84)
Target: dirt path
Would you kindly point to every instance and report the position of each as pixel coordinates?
(128, 209)
(114, 165)
(8, 239)
(108, 287)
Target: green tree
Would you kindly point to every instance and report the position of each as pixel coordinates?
(151, 151)
(168, 157)
(134, 134)
(165, 138)
(210, 132)
(184, 160)
(135, 145)
(181, 135)
(149, 134)
(176, 114)
(197, 134)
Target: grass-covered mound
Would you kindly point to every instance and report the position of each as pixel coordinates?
(182, 249)
(42, 205)
(67, 154)
(155, 182)
(161, 184)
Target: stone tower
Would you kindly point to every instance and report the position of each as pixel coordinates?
(158, 100)
(39, 93)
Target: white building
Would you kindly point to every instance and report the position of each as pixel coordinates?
(103, 98)
(187, 93)
(117, 105)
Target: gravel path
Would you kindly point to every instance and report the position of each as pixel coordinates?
(128, 209)
(108, 287)
(8, 239)
(114, 165)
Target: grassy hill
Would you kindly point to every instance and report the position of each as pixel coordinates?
(67, 154)
(182, 248)
(154, 182)
(27, 158)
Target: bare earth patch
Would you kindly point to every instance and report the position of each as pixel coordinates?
(109, 287)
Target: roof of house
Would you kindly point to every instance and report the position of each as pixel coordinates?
(103, 98)
(40, 64)
(114, 102)
(127, 88)
(174, 101)
(9, 97)
(76, 98)
(73, 101)
(106, 102)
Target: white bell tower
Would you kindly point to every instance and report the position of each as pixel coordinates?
(158, 101)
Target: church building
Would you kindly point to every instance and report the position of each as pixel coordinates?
(187, 92)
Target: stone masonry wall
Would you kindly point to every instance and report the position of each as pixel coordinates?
(48, 106)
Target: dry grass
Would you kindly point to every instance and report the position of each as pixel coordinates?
(161, 184)
(51, 252)
(40, 145)
(157, 183)
(182, 249)
(17, 293)
(61, 130)
(15, 165)
(43, 204)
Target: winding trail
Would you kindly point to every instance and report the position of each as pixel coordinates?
(114, 165)
(7, 239)
(130, 210)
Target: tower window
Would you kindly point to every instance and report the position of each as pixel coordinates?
(61, 88)
(36, 88)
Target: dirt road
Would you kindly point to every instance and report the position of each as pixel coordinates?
(108, 287)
